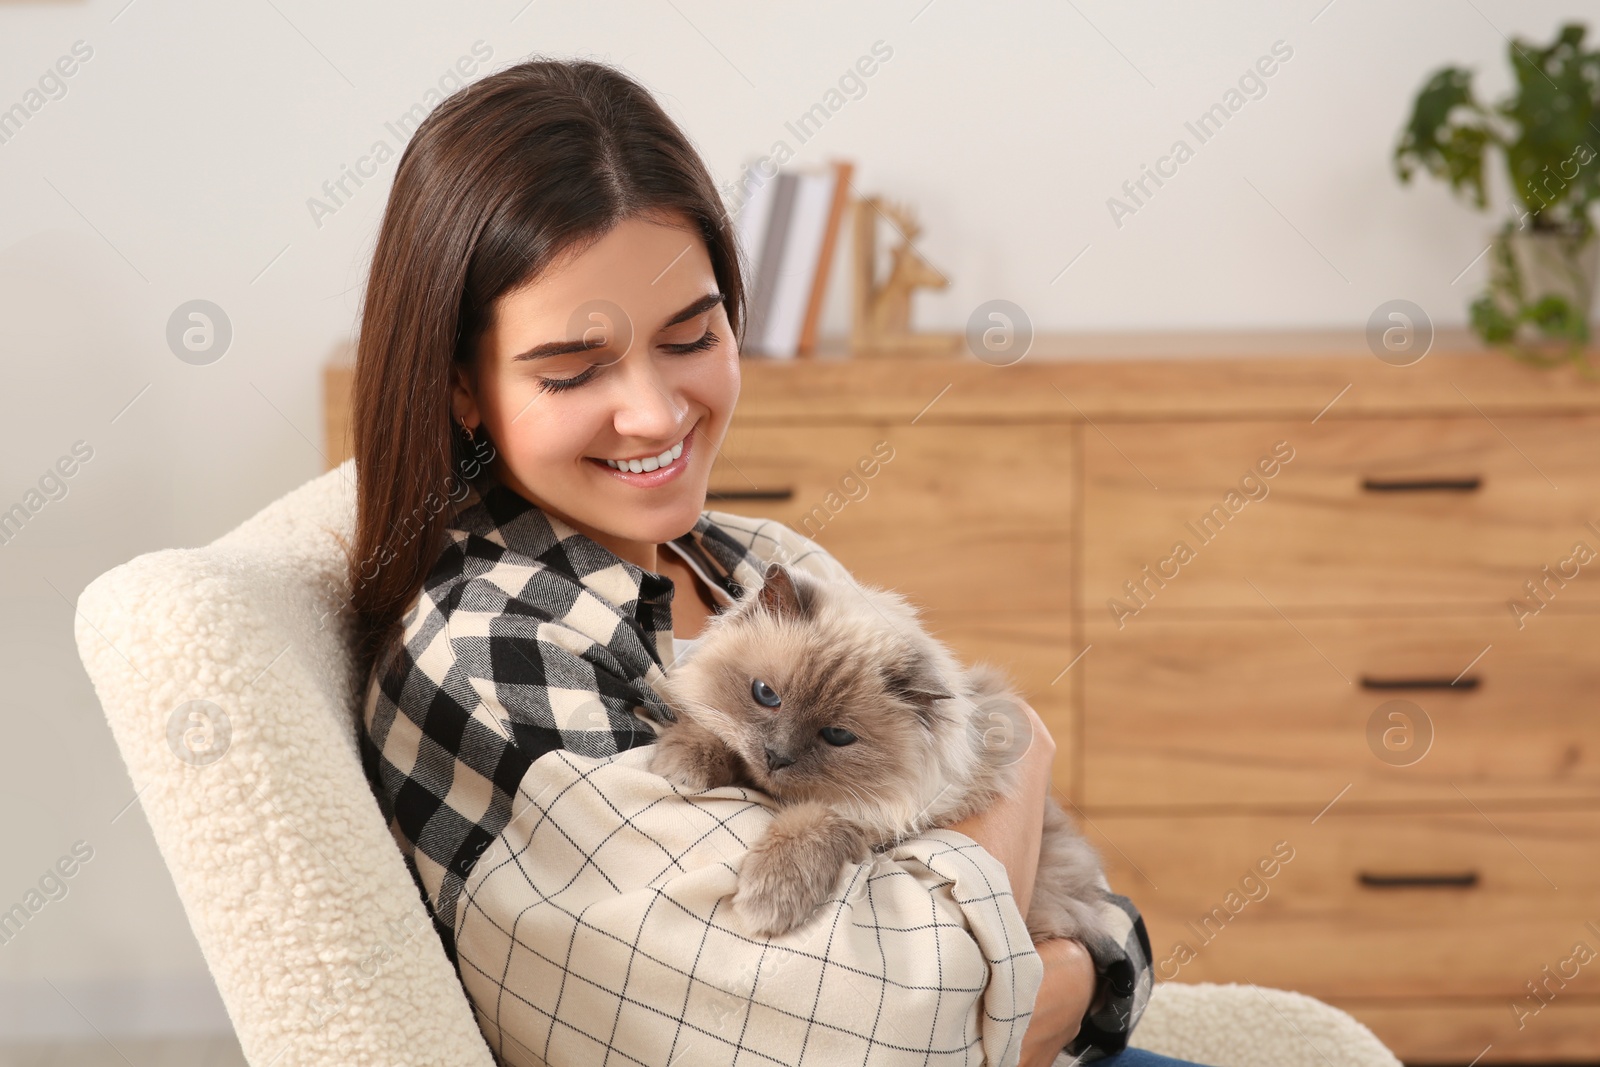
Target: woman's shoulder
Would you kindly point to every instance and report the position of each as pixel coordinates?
(769, 541)
(481, 588)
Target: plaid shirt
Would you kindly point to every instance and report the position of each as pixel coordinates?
(582, 899)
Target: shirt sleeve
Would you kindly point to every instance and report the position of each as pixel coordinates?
(598, 923)
(1125, 976)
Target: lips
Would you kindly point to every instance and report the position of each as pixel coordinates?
(677, 461)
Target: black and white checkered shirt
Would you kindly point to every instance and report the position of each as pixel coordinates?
(583, 900)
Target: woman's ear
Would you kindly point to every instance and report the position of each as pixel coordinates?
(463, 396)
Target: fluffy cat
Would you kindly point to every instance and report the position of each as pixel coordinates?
(831, 698)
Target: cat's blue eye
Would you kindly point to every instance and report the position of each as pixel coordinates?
(838, 736)
(765, 695)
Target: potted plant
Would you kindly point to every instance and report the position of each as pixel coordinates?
(1543, 260)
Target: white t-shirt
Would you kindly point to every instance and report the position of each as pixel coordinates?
(682, 646)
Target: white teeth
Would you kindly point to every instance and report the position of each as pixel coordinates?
(649, 463)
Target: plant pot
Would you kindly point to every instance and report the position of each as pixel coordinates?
(1541, 294)
(1557, 263)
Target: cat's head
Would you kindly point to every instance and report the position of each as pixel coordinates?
(827, 690)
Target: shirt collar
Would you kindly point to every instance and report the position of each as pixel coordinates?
(501, 515)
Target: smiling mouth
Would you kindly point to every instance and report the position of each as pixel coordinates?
(645, 464)
(652, 471)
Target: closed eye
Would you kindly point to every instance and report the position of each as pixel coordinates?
(707, 340)
(556, 385)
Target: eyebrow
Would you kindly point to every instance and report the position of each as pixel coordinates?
(562, 348)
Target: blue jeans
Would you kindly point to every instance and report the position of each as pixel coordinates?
(1138, 1057)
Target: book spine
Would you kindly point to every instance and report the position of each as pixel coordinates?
(842, 169)
(766, 284)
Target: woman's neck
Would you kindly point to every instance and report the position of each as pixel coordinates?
(646, 555)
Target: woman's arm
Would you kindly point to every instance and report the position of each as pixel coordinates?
(1010, 830)
(1011, 827)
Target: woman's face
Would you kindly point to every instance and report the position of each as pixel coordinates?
(607, 384)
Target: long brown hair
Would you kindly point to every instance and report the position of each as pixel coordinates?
(505, 176)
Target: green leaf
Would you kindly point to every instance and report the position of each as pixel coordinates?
(1448, 149)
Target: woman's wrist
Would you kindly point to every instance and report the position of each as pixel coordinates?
(1066, 994)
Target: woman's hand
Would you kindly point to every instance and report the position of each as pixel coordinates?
(1011, 827)
(1064, 998)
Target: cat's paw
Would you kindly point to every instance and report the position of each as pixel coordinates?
(687, 774)
(778, 891)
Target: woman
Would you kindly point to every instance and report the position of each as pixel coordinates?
(547, 366)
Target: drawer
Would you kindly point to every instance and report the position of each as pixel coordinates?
(1362, 908)
(1255, 711)
(1368, 513)
(957, 517)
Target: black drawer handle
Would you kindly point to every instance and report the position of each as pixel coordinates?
(1461, 880)
(750, 494)
(1421, 485)
(1468, 682)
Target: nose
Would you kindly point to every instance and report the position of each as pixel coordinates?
(650, 410)
(777, 760)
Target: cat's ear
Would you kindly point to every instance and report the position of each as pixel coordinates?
(784, 595)
(915, 680)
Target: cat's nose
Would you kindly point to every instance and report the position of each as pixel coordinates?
(776, 760)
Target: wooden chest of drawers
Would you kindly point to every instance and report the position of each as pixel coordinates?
(1269, 608)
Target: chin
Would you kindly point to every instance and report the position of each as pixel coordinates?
(666, 521)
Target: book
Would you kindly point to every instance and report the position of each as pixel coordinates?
(789, 231)
(797, 267)
(843, 170)
(764, 285)
(750, 228)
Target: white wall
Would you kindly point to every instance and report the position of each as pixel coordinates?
(179, 164)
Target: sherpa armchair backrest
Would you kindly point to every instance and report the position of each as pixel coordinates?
(224, 673)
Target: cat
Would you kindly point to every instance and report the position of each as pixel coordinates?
(830, 697)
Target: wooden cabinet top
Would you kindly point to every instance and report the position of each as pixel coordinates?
(1152, 376)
